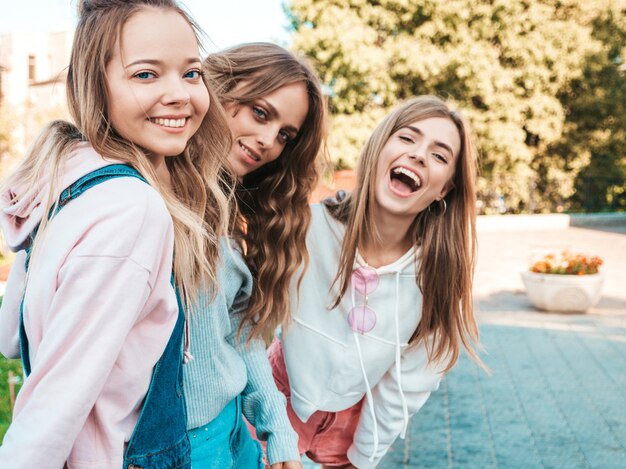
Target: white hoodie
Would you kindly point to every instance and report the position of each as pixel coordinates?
(331, 368)
(99, 310)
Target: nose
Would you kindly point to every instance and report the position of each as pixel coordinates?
(266, 136)
(175, 92)
(419, 156)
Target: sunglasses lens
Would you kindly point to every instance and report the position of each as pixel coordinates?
(365, 280)
(362, 319)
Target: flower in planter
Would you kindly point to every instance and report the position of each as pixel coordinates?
(567, 263)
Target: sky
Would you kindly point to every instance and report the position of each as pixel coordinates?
(226, 22)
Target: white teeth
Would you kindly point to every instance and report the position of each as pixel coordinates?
(176, 123)
(411, 174)
(247, 152)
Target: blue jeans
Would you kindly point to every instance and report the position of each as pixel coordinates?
(225, 442)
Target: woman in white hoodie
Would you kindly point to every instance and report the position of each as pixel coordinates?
(95, 211)
(386, 302)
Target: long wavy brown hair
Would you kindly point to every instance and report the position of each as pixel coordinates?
(273, 201)
(447, 241)
(198, 204)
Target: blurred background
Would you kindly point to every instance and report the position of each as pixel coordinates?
(543, 83)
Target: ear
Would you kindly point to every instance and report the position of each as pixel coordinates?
(447, 188)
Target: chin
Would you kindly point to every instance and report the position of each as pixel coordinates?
(237, 170)
(170, 152)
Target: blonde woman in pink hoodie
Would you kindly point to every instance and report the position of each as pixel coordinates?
(95, 299)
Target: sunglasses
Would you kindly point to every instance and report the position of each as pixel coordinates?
(362, 318)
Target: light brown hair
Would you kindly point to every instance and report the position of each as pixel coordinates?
(447, 240)
(273, 201)
(198, 205)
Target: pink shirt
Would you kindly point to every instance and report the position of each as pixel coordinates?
(98, 313)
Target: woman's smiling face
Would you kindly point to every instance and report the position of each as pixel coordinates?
(156, 96)
(416, 165)
(263, 127)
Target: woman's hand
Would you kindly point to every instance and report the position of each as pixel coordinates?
(287, 465)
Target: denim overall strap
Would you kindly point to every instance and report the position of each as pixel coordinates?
(160, 420)
(71, 192)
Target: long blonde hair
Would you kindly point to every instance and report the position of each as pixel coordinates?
(447, 240)
(273, 201)
(198, 205)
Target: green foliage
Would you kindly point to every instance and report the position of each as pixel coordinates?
(596, 124)
(518, 69)
(5, 402)
(7, 365)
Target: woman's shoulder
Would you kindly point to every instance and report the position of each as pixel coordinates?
(233, 266)
(324, 226)
(122, 193)
(124, 196)
(122, 217)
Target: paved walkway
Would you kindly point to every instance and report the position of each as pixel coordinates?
(556, 397)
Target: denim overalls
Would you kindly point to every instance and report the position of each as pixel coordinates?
(159, 440)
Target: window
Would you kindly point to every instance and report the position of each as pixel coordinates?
(32, 70)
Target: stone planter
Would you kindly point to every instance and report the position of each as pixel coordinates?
(563, 293)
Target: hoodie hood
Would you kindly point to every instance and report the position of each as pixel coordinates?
(22, 206)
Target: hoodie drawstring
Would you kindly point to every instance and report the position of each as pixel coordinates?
(370, 399)
(368, 391)
(405, 410)
(187, 356)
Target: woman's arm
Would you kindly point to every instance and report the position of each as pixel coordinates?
(263, 405)
(99, 294)
(83, 336)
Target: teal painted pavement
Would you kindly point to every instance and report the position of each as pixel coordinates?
(556, 399)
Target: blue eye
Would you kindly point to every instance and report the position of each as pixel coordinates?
(194, 74)
(144, 75)
(284, 136)
(259, 113)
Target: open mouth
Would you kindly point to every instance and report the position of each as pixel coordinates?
(404, 180)
(173, 123)
(248, 152)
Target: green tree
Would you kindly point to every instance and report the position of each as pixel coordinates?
(592, 147)
(505, 63)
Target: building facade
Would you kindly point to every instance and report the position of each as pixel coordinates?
(33, 70)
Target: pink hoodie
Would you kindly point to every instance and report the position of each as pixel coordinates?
(98, 312)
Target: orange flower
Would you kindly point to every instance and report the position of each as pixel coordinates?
(567, 264)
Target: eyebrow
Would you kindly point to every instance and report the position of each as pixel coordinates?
(437, 142)
(277, 115)
(190, 60)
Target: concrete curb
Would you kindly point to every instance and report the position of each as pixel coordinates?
(598, 219)
(556, 221)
